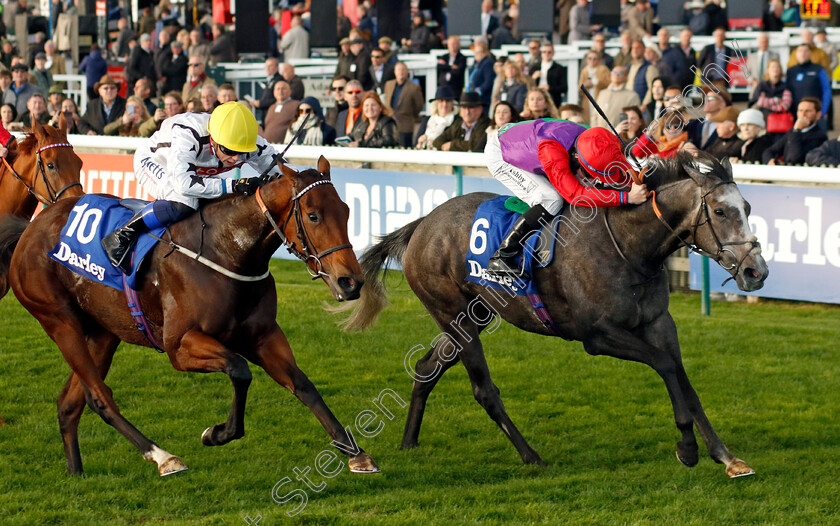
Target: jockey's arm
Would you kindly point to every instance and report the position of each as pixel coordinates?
(181, 169)
(555, 161)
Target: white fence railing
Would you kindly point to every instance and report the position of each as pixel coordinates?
(76, 89)
(741, 172)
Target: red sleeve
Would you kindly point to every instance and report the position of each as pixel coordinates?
(555, 162)
(644, 146)
(5, 136)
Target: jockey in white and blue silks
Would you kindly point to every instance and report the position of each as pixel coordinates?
(191, 158)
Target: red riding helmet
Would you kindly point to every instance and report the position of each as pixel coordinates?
(599, 152)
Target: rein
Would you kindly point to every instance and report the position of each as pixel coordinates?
(309, 250)
(53, 196)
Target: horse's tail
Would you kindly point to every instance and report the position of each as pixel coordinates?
(11, 228)
(373, 297)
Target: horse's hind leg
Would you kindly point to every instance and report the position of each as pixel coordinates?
(201, 353)
(663, 334)
(66, 330)
(487, 394)
(71, 401)
(426, 374)
(275, 356)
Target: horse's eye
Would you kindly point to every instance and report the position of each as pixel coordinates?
(313, 217)
(719, 212)
(51, 166)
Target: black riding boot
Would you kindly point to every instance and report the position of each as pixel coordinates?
(503, 261)
(118, 243)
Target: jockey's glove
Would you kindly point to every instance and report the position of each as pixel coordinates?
(246, 185)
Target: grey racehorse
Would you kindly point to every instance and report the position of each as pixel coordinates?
(606, 288)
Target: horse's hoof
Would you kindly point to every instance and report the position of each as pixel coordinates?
(738, 468)
(534, 458)
(688, 459)
(170, 466)
(206, 437)
(362, 463)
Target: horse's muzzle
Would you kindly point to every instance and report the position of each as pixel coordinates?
(752, 273)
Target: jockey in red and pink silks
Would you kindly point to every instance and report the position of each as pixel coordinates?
(546, 161)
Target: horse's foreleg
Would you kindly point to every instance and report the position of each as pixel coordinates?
(275, 356)
(71, 401)
(663, 334)
(201, 353)
(426, 374)
(619, 343)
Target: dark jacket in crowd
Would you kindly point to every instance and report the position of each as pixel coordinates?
(452, 75)
(141, 64)
(828, 153)
(455, 134)
(360, 69)
(809, 80)
(95, 118)
(384, 133)
(174, 68)
(557, 83)
(267, 97)
(794, 144)
(725, 148)
(94, 67)
(223, 49)
(753, 150)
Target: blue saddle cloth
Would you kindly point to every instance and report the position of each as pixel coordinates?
(80, 249)
(491, 223)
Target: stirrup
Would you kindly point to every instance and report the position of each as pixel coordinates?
(498, 267)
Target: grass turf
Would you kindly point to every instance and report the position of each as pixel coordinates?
(767, 375)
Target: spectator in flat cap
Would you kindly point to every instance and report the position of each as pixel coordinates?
(386, 45)
(20, 90)
(41, 75)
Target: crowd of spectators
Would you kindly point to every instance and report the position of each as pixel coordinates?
(374, 102)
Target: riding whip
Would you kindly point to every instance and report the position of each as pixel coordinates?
(601, 112)
(280, 156)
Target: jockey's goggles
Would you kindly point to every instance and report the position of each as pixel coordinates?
(228, 151)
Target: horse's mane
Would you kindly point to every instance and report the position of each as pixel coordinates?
(663, 171)
(29, 143)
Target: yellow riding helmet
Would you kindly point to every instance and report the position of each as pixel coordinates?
(233, 126)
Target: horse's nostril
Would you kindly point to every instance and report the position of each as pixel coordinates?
(753, 273)
(347, 283)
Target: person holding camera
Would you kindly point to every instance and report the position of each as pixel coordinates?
(134, 117)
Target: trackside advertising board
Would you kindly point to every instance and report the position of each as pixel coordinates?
(799, 232)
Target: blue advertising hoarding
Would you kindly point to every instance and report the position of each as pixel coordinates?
(799, 232)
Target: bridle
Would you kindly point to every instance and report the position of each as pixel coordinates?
(702, 210)
(721, 247)
(52, 195)
(307, 246)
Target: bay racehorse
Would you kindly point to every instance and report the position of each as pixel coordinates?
(205, 321)
(606, 287)
(41, 168)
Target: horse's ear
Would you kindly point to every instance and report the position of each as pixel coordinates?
(37, 129)
(727, 169)
(62, 123)
(324, 166)
(697, 171)
(288, 172)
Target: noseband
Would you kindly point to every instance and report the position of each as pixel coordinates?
(52, 195)
(722, 247)
(309, 250)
